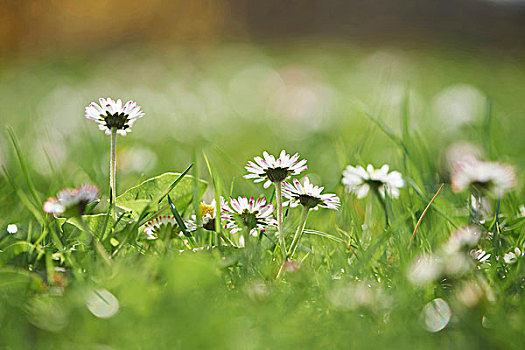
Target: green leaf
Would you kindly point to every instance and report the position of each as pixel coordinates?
(138, 198)
(94, 223)
(175, 213)
(17, 248)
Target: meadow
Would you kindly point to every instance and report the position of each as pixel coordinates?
(429, 267)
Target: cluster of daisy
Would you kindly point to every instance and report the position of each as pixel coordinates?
(276, 171)
(250, 216)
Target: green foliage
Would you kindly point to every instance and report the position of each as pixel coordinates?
(146, 196)
(348, 287)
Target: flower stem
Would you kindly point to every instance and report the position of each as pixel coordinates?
(247, 246)
(113, 172)
(279, 197)
(298, 233)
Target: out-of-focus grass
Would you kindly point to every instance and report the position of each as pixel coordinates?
(233, 102)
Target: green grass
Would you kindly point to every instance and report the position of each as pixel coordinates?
(218, 109)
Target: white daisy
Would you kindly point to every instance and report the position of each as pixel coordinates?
(464, 237)
(309, 195)
(274, 170)
(359, 181)
(424, 269)
(512, 256)
(160, 223)
(493, 177)
(71, 202)
(207, 214)
(112, 114)
(253, 214)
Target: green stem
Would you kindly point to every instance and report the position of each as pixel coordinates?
(113, 172)
(98, 246)
(279, 197)
(299, 232)
(383, 204)
(368, 223)
(246, 235)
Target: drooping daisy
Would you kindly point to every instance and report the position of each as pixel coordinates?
(309, 195)
(71, 202)
(161, 223)
(360, 181)
(207, 214)
(491, 177)
(248, 213)
(274, 170)
(112, 114)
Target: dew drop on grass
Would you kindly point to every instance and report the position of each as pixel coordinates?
(102, 303)
(436, 315)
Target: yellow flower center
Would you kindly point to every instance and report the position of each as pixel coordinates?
(206, 209)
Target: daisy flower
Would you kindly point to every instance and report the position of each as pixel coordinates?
(159, 224)
(424, 269)
(359, 180)
(309, 195)
(274, 170)
(112, 114)
(71, 202)
(493, 177)
(512, 256)
(252, 214)
(207, 214)
(467, 236)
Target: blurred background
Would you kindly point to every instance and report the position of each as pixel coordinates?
(239, 77)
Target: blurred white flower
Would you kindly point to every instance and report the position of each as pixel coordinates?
(136, 159)
(470, 293)
(512, 256)
(71, 201)
(464, 237)
(359, 181)
(112, 114)
(424, 269)
(309, 195)
(251, 214)
(12, 228)
(274, 170)
(456, 263)
(457, 105)
(493, 177)
(462, 152)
